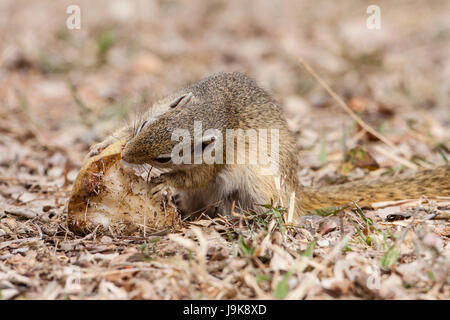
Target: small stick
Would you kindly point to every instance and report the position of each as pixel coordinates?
(291, 208)
(404, 162)
(355, 117)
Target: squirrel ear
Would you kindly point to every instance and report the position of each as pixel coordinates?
(208, 140)
(181, 100)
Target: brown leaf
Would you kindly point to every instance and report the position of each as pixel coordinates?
(358, 157)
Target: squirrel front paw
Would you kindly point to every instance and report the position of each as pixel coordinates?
(159, 180)
(118, 135)
(98, 148)
(174, 179)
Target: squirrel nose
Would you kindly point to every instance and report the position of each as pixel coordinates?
(124, 157)
(133, 154)
(125, 154)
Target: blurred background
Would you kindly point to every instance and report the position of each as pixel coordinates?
(61, 90)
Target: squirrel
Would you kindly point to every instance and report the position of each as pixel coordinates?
(233, 101)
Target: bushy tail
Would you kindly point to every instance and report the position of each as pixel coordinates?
(431, 183)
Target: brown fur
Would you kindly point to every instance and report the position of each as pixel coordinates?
(232, 101)
(430, 183)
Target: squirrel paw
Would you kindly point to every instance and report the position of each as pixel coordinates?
(177, 200)
(97, 148)
(157, 188)
(159, 180)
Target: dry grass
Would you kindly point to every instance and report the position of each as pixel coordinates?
(62, 91)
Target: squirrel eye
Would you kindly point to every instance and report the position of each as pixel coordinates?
(163, 159)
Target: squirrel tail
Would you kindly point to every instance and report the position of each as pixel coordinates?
(431, 183)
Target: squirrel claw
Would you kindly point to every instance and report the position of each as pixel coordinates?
(97, 149)
(160, 180)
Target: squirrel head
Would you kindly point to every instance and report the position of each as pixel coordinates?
(155, 138)
(219, 102)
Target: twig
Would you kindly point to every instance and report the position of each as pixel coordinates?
(404, 162)
(7, 243)
(355, 117)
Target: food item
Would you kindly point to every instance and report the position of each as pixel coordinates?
(110, 197)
